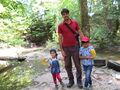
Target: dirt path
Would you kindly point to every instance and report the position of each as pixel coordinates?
(103, 78)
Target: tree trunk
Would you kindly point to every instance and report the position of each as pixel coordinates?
(85, 27)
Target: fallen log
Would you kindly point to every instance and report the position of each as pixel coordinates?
(99, 62)
(12, 58)
(7, 68)
(113, 65)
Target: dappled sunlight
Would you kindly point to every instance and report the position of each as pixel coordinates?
(29, 29)
(10, 52)
(2, 9)
(5, 63)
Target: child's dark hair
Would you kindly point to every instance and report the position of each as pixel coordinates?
(85, 42)
(64, 10)
(53, 50)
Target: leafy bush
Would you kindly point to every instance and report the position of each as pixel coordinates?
(51, 44)
(101, 37)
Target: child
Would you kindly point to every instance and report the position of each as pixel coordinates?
(87, 54)
(55, 67)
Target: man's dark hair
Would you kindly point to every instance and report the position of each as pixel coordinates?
(64, 10)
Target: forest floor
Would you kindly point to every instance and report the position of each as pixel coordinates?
(103, 78)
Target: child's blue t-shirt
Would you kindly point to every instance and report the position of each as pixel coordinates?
(55, 66)
(86, 52)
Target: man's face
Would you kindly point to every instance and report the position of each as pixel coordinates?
(65, 16)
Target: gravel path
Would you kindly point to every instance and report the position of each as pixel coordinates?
(103, 78)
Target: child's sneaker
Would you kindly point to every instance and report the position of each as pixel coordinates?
(85, 88)
(62, 84)
(56, 86)
(90, 87)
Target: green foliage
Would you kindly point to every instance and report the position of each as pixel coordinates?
(73, 6)
(13, 22)
(41, 30)
(20, 76)
(11, 37)
(43, 23)
(15, 79)
(51, 44)
(36, 21)
(104, 22)
(99, 36)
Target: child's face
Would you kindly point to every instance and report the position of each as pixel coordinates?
(53, 54)
(85, 45)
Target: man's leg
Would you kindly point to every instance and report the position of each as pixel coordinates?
(75, 55)
(68, 66)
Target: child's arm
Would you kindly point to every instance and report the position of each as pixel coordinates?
(86, 57)
(89, 57)
(48, 63)
(80, 54)
(93, 53)
(83, 57)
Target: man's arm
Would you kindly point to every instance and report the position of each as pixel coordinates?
(79, 30)
(80, 33)
(60, 43)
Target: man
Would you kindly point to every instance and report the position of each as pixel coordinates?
(69, 47)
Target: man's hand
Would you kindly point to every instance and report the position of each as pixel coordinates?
(63, 53)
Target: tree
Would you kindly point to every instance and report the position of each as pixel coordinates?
(13, 22)
(85, 27)
(111, 18)
(104, 21)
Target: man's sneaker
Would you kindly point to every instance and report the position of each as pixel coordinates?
(80, 86)
(62, 84)
(56, 86)
(70, 84)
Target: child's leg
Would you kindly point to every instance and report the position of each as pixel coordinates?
(89, 74)
(86, 79)
(54, 78)
(58, 77)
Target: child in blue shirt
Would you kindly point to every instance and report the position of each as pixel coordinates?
(55, 67)
(87, 54)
